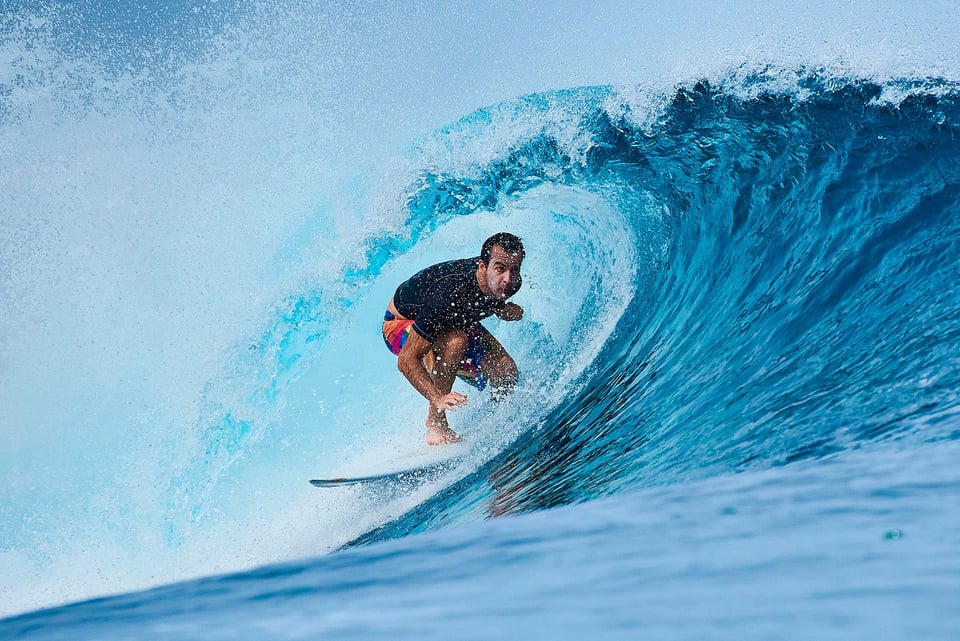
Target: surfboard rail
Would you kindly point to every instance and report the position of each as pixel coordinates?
(423, 472)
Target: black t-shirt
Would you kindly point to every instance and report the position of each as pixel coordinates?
(445, 296)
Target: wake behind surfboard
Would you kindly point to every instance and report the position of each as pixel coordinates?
(419, 467)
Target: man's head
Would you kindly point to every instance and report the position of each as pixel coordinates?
(508, 242)
(498, 273)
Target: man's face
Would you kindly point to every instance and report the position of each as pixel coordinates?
(502, 275)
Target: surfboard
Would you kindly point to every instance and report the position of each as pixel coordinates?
(421, 465)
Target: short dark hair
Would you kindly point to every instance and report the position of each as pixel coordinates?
(510, 244)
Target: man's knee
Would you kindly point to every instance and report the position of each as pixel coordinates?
(509, 366)
(451, 346)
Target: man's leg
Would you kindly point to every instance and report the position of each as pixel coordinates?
(499, 368)
(442, 363)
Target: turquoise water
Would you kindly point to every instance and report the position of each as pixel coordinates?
(738, 406)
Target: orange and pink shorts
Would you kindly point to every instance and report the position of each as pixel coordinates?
(396, 330)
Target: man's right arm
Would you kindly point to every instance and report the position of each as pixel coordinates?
(410, 364)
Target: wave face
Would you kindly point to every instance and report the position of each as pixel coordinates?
(739, 292)
(794, 295)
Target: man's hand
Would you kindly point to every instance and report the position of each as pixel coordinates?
(450, 402)
(510, 312)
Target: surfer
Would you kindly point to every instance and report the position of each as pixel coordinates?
(432, 324)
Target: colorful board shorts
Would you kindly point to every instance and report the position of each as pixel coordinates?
(396, 330)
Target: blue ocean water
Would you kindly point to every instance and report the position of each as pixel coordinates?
(738, 415)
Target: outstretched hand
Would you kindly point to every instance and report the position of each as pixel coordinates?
(510, 312)
(450, 402)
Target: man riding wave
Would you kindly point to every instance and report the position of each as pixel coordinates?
(432, 324)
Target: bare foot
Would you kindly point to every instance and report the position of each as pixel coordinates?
(441, 435)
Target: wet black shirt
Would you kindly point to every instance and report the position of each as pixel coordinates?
(445, 296)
